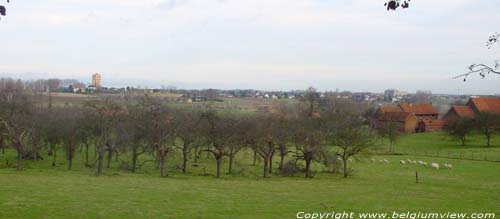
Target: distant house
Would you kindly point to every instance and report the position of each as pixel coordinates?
(431, 125)
(406, 121)
(426, 117)
(474, 106)
(457, 112)
(421, 111)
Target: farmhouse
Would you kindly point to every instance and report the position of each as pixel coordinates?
(473, 106)
(426, 117)
(431, 125)
(406, 122)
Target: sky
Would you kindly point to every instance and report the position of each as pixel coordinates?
(262, 44)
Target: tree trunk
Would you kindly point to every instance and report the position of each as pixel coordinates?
(110, 156)
(163, 169)
(230, 171)
(2, 145)
(70, 160)
(308, 168)
(100, 160)
(54, 157)
(134, 159)
(184, 158)
(282, 159)
(20, 151)
(219, 164)
(51, 150)
(266, 167)
(271, 163)
(344, 162)
(86, 154)
(254, 157)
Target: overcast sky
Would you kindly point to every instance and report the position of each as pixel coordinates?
(263, 44)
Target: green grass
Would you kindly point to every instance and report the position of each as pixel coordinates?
(441, 145)
(45, 192)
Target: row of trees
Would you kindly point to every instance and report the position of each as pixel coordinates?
(486, 123)
(145, 127)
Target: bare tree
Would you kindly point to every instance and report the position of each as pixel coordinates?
(187, 132)
(15, 112)
(70, 132)
(105, 113)
(217, 130)
(487, 123)
(308, 140)
(390, 130)
(351, 137)
(459, 129)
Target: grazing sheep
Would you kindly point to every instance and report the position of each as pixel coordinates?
(435, 165)
(448, 166)
(373, 160)
(422, 163)
(385, 161)
(402, 162)
(414, 162)
(339, 159)
(409, 161)
(350, 160)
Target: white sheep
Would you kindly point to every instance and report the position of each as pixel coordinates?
(373, 160)
(448, 166)
(435, 165)
(402, 162)
(422, 163)
(350, 160)
(414, 162)
(386, 161)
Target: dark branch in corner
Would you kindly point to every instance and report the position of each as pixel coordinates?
(481, 69)
(3, 10)
(395, 4)
(492, 40)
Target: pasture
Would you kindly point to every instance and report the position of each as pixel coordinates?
(42, 191)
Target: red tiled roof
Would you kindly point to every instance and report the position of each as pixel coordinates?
(486, 104)
(386, 109)
(463, 111)
(395, 116)
(419, 109)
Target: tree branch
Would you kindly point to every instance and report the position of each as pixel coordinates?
(481, 69)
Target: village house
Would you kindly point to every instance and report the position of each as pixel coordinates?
(426, 117)
(406, 122)
(473, 107)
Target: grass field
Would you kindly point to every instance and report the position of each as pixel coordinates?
(45, 192)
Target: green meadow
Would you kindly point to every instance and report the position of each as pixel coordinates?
(42, 191)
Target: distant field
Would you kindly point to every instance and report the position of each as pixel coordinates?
(45, 192)
(234, 104)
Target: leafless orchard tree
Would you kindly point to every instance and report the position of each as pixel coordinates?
(217, 129)
(15, 113)
(106, 114)
(187, 133)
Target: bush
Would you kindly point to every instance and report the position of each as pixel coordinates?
(290, 168)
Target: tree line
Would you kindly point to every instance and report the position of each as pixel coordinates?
(325, 131)
(484, 123)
